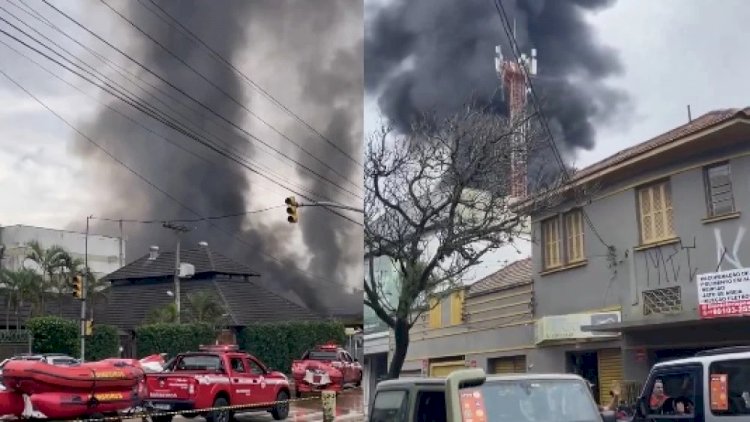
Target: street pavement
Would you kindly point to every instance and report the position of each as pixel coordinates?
(349, 408)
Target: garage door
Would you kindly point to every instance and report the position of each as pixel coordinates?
(610, 370)
(509, 365)
(443, 369)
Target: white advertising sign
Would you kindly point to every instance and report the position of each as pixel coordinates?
(724, 294)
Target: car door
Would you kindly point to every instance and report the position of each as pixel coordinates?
(241, 381)
(265, 391)
(346, 367)
(666, 388)
(353, 368)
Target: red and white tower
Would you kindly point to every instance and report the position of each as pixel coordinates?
(515, 86)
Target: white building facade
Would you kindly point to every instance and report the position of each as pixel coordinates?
(105, 254)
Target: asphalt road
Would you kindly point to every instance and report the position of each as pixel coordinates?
(349, 407)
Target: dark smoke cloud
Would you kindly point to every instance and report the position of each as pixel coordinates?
(273, 38)
(432, 55)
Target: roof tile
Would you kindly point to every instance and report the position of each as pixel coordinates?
(513, 274)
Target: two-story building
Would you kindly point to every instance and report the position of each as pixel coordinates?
(631, 273)
(488, 324)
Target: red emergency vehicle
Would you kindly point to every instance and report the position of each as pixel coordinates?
(217, 376)
(325, 367)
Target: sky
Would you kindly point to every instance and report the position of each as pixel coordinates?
(52, 176)
(674, 53)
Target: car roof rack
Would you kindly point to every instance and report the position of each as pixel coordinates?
(723, 351)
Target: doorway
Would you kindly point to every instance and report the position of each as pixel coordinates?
(585, 365)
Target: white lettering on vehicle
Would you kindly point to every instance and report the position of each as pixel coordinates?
(208, 379)
(162, 395)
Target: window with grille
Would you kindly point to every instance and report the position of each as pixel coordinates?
(574, 236)
(551, 242)
(719, 196)
(656, 214)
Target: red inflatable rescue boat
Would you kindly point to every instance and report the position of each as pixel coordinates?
(36, 377)
(11, 403)
(76, 405)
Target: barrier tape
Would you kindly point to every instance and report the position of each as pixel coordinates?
(147, 414)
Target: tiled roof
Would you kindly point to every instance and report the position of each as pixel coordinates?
(513, 274)
(246, 302)
(204, 259)
(703, 122)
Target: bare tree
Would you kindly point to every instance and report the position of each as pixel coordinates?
(437, 200)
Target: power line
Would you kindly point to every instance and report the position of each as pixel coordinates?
(228, 95)
(146, 180)
(535, 100)
(172, 125)
(198, 102)
(174, 143)
(244, 76)
(186, 220)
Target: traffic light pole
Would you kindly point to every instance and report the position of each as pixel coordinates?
(84, 287)
(333, 205)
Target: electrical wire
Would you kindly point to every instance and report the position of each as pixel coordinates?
(193, 99)
(185, 220)
(147, 181)
(535, 100)
(170, 124)
(174, 143)
(244, 76)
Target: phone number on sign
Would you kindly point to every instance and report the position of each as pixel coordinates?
(727, 309)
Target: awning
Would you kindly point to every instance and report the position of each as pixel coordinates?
(650, 324)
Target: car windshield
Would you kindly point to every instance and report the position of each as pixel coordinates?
(198, 363)
(530, 401)
(322, 355)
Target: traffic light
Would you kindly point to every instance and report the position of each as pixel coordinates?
(291, 209)
(89, 327)
(78, 286)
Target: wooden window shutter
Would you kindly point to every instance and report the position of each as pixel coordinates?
(457, 305)
(436, 315)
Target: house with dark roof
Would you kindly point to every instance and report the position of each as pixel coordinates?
(488, 324)
(623, 277)
(148, 283)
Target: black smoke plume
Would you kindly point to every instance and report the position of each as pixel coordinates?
(273, 39)
(432, 55)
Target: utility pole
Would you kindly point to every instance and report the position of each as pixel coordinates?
(177, 229)
(84, 287)
(122, 258)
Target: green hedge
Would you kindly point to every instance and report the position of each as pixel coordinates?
(172, 338)
(59, 335)
(104, 343)
(54, 335)
(278, 344)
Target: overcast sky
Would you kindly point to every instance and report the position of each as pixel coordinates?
(51, 177)
(674, 53)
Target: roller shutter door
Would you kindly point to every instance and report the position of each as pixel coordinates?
(443, 369)
(610, 370)
(509, 365)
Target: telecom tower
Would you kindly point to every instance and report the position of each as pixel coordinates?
(514, 84)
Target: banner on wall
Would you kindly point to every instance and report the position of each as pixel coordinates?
(724, 294)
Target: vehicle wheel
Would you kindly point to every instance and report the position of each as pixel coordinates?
(162, 418)
(219, 415)
(281, 410)
(297, 394)
(359, 382)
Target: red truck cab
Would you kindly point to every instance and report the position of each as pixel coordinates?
(216, 377)
(325, 367)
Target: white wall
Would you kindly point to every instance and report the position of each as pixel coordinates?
(103, 251)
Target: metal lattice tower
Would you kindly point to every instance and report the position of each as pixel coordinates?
(513, 80)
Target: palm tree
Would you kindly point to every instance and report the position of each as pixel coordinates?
(49, 262)
(206, 307)
(164, 315)
(23, 286)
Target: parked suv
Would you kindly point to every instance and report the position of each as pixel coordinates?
(471, 396)
(712, 386)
